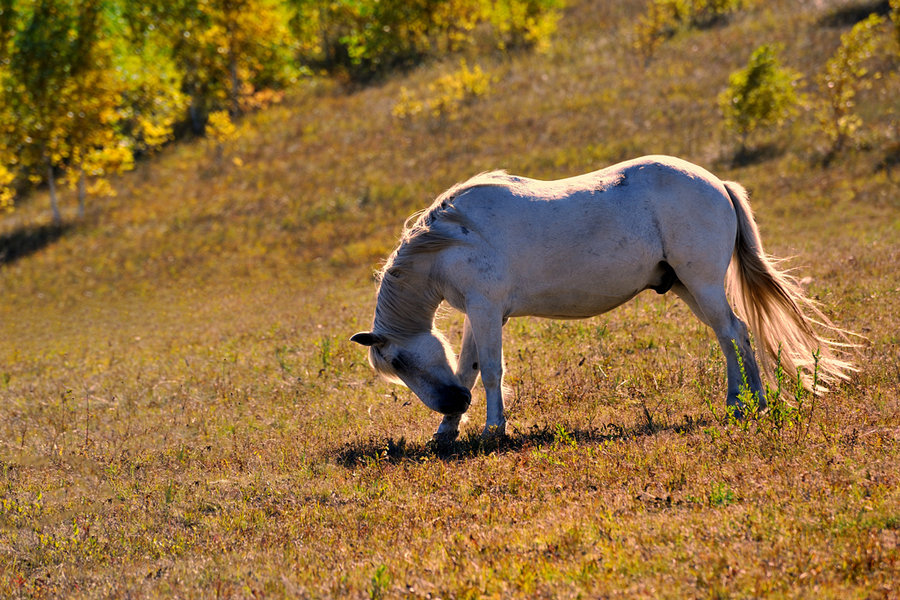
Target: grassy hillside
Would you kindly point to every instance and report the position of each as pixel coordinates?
(181, 413)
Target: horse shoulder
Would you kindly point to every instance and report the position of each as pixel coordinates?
(472, 268)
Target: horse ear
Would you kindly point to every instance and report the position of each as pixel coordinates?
(366, 338)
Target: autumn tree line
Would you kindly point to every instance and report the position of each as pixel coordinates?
(88, 86)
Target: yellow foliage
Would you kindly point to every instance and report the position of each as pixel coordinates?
(450, 91)
(101, 187)
(106, 160)
(154, 133)
(538, 31)
(6, 194)
(220, 127)
(528, 23)
(457, 20)
(407, 106)
(446, 94)
(253, 99)
(363, 38)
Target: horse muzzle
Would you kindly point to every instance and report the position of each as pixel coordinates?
(453, 399)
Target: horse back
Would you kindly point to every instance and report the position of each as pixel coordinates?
(583, 245)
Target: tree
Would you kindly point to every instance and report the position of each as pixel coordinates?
(152, 100)
(225, 50)
(82, 95)
(60, 92)
(762, 94)
(95, 145)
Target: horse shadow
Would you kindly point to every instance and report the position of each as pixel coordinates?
(471, 445)
(27, 240)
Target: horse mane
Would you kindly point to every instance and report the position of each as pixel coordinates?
(406, 303)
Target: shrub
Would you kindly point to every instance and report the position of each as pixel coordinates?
(761, 94)
(524, 23)
(450, 91)
(408, 106)
(665, 18)
(220, 130)
(844, 76)
(446, 94)
(364, 39)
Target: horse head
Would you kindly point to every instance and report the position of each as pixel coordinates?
(424, 363)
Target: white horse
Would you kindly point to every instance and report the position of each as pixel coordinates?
(499, 246)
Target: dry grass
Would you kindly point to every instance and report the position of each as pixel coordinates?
(181, 414)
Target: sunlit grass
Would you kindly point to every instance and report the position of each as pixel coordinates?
(181, 413)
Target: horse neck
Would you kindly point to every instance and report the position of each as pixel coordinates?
(407, 303)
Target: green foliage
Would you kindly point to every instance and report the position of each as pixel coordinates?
(761, 94)
(226, 50)
(381, 580)
(720, 494)
(90, 84)
(152, 98)
(367, 38)
(665, 18)
(844, 76)
(364, 39)
(789, 410)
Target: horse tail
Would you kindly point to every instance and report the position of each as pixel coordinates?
(778, 313)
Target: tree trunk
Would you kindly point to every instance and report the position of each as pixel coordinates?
(81, 192)
(54, 205)
(197, 117)
(235, 89)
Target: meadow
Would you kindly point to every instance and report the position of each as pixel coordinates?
(182, 413)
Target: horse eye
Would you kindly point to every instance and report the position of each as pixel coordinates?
(400, 363)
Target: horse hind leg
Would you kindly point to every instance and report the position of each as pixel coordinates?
(710, 305)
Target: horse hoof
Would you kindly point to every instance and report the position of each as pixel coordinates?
(494, 432)
(445, 437)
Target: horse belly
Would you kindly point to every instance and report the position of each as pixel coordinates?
(586, 281)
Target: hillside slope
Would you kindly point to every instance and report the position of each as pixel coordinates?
(181, 413)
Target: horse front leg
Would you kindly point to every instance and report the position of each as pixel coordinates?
(467, 373)
(486, 322)
(467, 366)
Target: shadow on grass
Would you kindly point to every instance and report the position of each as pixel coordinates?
(28, 240)
(891, 158)
(746, 157)
(395, 451)
(850, 14)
